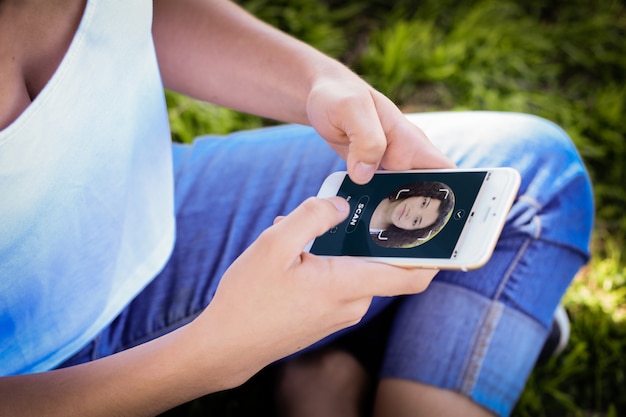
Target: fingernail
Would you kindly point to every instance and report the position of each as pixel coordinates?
(364, 172)
(340, 203)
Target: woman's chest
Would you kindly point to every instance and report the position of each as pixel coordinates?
(35, 37)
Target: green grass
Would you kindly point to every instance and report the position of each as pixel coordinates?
(563, 60)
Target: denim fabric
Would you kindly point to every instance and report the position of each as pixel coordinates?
(227, 191)
(475, 332)
(480, 332)
(476, 344)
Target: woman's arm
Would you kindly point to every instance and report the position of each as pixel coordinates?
(292, 300)
(142, 381)
(215, 51)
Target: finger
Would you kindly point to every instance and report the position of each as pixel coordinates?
(310, 219)
(410, 148)
(379, 279)
(278, 219)
(367, 141)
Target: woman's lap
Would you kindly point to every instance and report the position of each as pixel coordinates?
(480, 332)
(227, 190)
(462, 331)
(480, 345)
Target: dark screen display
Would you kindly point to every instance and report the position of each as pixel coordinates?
(407, 215)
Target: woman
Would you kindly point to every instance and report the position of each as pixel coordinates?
(411, 215)
(137, 275)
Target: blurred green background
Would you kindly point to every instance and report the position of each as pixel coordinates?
(563, 60)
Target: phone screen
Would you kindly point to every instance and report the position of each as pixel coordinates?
(404, 215)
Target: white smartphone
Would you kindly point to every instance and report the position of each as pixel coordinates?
(447, 219)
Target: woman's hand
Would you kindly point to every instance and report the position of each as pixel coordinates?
(215, 51)
(367, 129)
(275, 300)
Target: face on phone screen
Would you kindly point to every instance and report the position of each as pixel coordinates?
(407, 215)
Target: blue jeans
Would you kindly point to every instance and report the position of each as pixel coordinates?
(478, 333)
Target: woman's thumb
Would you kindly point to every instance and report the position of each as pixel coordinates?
(312, 218)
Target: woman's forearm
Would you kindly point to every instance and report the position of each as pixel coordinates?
(143, 381)
(215, 51)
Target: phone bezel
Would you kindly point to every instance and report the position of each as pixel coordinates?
(480, 233)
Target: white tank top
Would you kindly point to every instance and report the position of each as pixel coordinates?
(86, 191)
